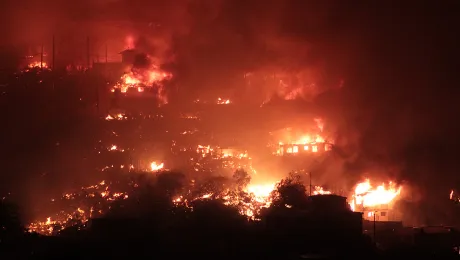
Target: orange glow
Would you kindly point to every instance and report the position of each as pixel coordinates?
(221, 101)
(366, 196)
(151, 78)
(320, 191)
(37, 64)
(118, 116)
(261, 191)
(306, 142)
(154, 166)
(129, 42)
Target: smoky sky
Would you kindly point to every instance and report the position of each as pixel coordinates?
(396, 61)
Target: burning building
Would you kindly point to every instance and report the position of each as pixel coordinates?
(303, 148)
(376, 203)
(302, 141)
(142, 79)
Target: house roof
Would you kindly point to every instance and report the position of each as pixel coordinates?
(127, 51)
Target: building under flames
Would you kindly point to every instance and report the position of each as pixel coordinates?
(377, 204)
(299, 149)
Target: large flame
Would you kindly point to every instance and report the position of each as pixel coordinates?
(37, 64)
(294, 143)
(154, 166)
(261, 191)
(142, 79)
(366, 196)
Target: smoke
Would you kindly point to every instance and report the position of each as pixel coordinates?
(398, 105)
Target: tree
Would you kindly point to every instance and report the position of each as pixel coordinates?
(241, 178)
(291, 192)
(215, 185)
(10, 224)
(170, 183)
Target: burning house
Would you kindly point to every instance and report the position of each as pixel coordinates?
(141, 82)
(302, 141)
(376, 204)
(303, 148)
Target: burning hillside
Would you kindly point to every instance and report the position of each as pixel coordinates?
(249, 198)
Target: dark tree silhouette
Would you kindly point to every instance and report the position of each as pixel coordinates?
(215, 185)
(10, 224)
(290, 192)
(241, 179)
(170, 183)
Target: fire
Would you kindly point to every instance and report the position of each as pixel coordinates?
(221, 101)
(366, 196)
(115, 148)
(37, 64)
(320, 191)
(119, 116)
(154, 166)
(261, 191)
(142, 79)
(454, 196)
(306, 142)
(79, 215)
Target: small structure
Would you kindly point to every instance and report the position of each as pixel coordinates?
(128, 56)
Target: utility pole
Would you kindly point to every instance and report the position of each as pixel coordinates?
(106, 51)
(375, 242)
(41, 58)
(87, 52)
(53, 55)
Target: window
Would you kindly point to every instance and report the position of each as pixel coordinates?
(295, 149)
(383, 213)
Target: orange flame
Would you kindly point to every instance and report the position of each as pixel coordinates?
(367, 196)
(154, 166)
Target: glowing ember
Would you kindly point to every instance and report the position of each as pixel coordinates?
(79, 215)
(37, 64)
(118, 116)
(154, 166)
(454, 196)
(115, 148)
(221, 101)
(365, 195)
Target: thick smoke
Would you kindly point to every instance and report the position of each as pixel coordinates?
(397, 108)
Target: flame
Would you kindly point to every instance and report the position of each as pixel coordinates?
(261, 191)
(306, 142)
(68, 218)
(320, 191)
(37, 64)
(154, 166)
(221, 101)
(118, 116)
(115, 148)
(366, 196)
(140, 80)
(129, 42)
(454, 196)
